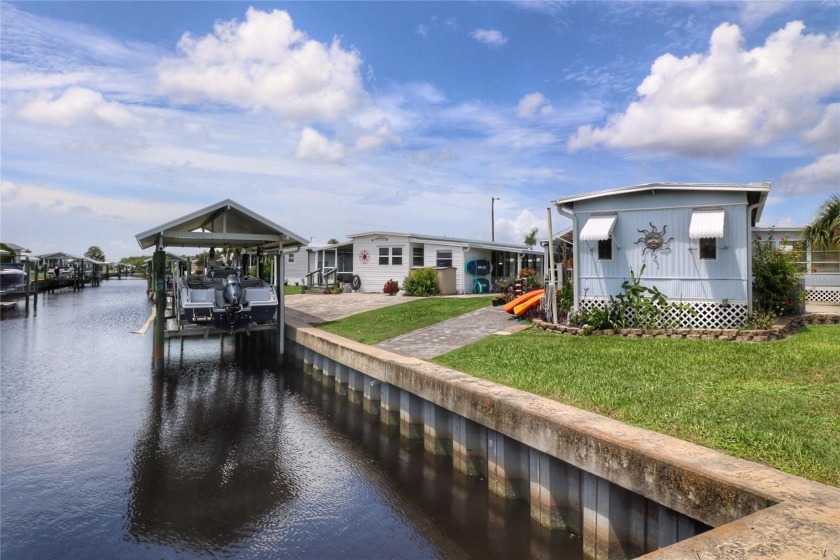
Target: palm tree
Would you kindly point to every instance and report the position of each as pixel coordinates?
(824, 232)
(531, 238)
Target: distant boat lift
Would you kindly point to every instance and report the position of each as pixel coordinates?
(226, 224)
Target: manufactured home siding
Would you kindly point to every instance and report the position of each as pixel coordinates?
(469, 279)
(372, 274)
(431, 250)
(676, 269)
(296, 269)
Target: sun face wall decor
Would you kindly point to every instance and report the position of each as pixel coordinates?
(654, 240)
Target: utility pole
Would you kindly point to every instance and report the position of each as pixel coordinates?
(493, 200)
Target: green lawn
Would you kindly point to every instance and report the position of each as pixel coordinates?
(375, 326)
(291, 290)
(774, 403)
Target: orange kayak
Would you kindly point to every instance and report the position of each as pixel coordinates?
(521, 299)
(520, 309)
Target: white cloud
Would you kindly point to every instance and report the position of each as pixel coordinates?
(429, 157)
(825, 137)
(264, 62)
(317, 148)
(533, 104)
(490, 37)
(9, 191)
(515, 230)
(754, 12)
(724, 101)
(52, 201)
(76, 106)
(383, 135)
(822, 175)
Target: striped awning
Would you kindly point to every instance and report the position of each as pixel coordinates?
(598, 228)
(706, 223)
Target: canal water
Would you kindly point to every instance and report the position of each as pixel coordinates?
(230, 455)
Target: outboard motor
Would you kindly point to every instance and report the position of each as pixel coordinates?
(232, 291)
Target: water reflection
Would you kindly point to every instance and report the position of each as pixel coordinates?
(229, 455)
(208, 466)
(453, 510)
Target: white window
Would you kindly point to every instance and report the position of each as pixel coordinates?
(444, 258)
(390, 255)
(417, 256)
(291, 257)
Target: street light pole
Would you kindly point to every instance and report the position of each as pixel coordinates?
(493, 200)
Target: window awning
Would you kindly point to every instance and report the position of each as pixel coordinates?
(706, 223)
(598, 228)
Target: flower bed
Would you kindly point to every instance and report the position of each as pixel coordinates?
(782, 328)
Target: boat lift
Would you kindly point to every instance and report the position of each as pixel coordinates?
(226, 224)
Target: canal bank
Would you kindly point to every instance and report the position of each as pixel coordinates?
(227, 455)
(627, 490)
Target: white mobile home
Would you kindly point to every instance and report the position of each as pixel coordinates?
(693, 238)
(370, 259)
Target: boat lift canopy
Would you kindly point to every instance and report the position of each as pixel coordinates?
(224, 224)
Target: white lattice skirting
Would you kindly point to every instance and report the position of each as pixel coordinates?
(710, 315)
(822, 295)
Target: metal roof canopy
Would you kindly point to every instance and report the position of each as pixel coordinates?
(224, 224)
(598, 228)
(707, 222)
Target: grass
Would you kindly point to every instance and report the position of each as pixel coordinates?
(773, 403)
(291, 290)
(377, 325)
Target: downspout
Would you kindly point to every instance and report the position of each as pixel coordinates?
(575, 259)
(750, 210)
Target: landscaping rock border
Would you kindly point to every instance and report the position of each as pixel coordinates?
(783, 327)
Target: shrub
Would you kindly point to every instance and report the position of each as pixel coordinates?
(609, 317)
(776, 278)
(391, 287)
(565, 297)
(421, 282)
(639, 307)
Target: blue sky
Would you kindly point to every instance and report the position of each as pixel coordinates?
(337, 118)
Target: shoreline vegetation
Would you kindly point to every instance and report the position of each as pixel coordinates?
(775, 403)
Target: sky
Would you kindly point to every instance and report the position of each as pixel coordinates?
(335, 118)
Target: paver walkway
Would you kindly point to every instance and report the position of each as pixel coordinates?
(449, 335)
(318, 308)
(423, 343)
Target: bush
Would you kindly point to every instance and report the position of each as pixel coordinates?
(565, 297)
(391, 287)
(776, 278)
(421, 282)
(638, 307)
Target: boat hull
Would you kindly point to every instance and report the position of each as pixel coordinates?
(202, 303)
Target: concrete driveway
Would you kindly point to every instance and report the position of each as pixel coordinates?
(318, 308)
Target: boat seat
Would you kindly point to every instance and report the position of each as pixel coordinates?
(202, 296)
